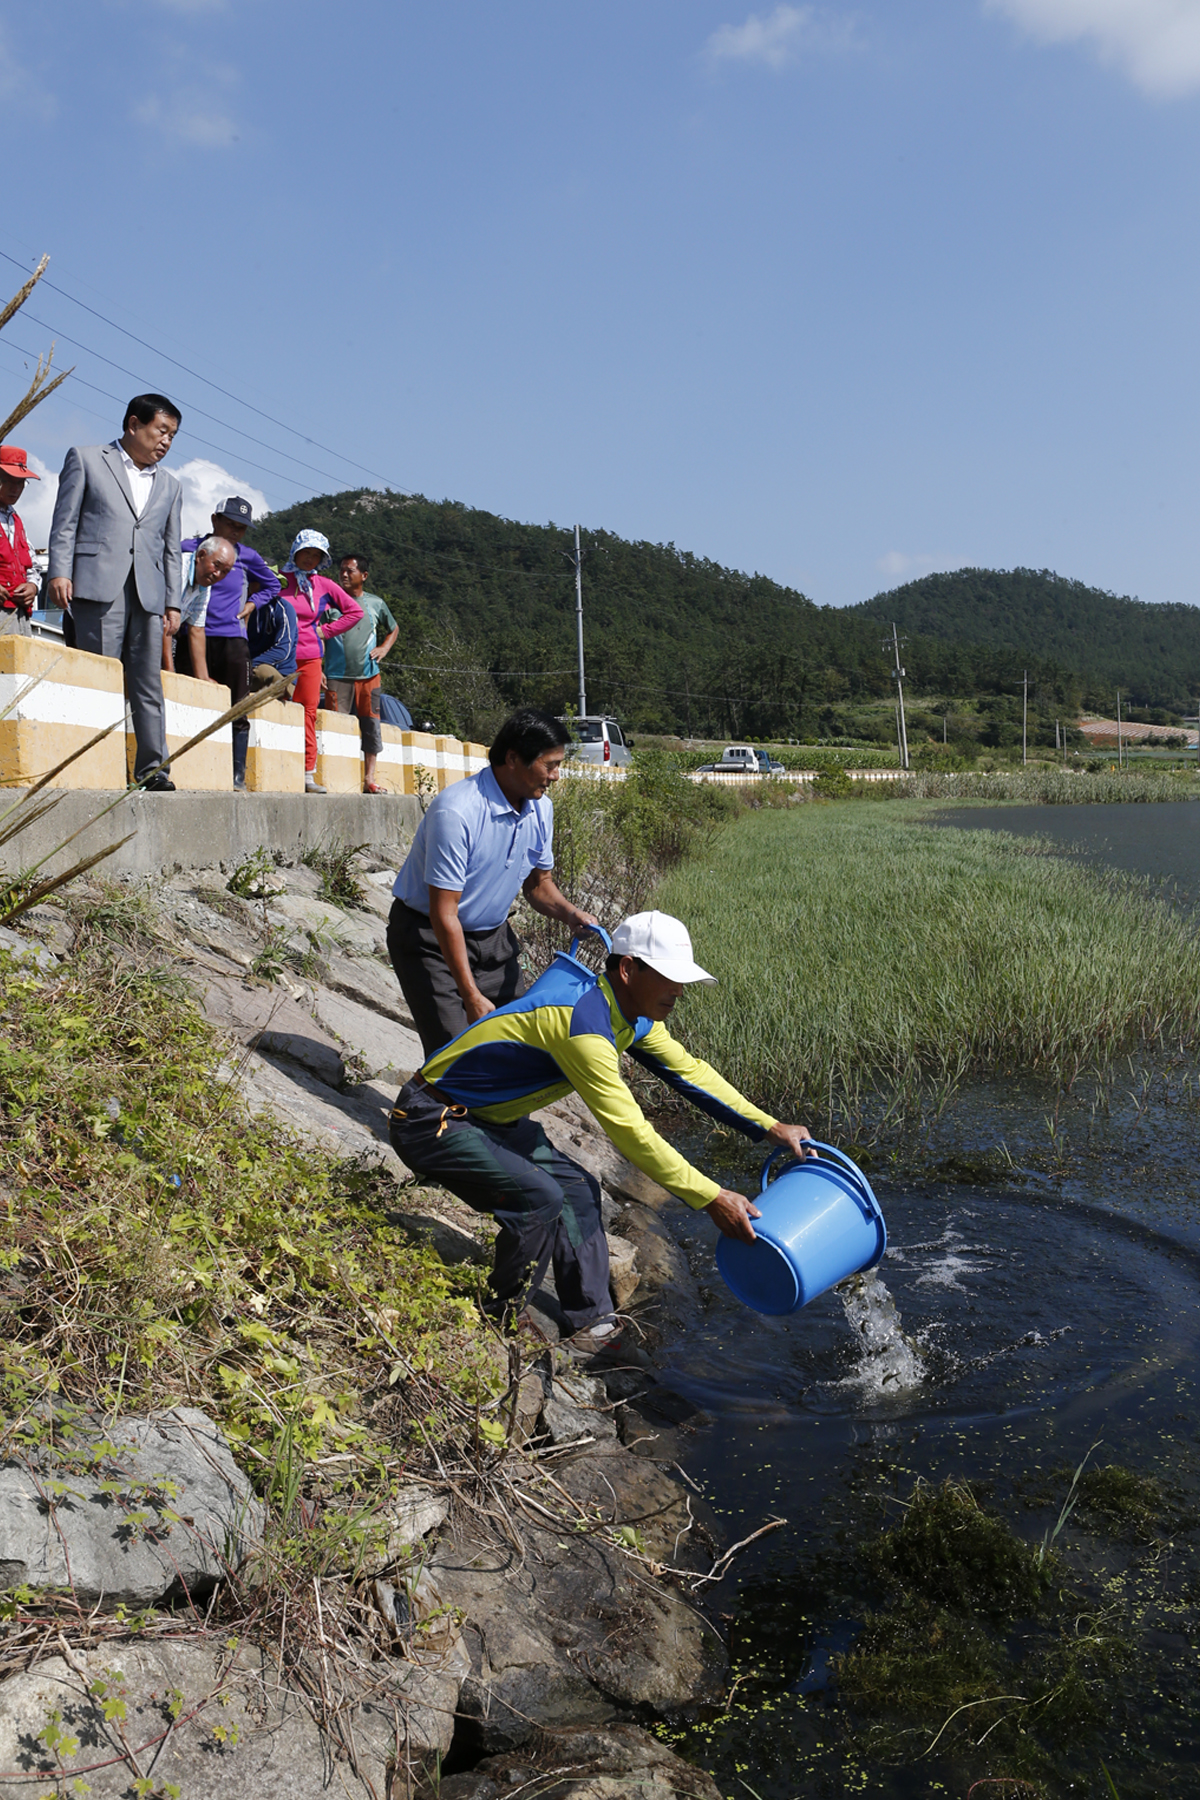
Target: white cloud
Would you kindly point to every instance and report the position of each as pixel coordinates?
(781, 37)
(189, 122)
(205, 485)
(1156, 43)
(899, 565)
(36, 505)
(19, 90)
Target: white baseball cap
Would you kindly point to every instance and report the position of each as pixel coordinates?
(662, 942)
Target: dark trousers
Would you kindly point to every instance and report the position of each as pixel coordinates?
(425, 978)
(547, 1207)
(123, 628)
(228, 661)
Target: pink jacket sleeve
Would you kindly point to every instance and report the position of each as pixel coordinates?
(350, 610)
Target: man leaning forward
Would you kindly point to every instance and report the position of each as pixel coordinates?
(463, 1120)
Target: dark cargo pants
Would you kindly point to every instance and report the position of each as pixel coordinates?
(425, 978)
(547, 1207)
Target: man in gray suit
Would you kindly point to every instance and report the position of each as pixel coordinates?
(115, 561)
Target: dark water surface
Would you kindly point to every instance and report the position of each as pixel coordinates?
(1159, 841)
(1055, 1313)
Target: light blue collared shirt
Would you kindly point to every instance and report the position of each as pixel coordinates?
(473, 842)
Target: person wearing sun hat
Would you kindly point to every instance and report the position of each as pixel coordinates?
(17, 591)
(463, 1120)
(311, 595)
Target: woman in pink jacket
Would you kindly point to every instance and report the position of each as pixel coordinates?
(311, 595)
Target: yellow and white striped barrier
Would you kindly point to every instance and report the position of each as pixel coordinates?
(46, 719)
(415, 762)
(275, 753)
(190, 706)
(54, 699)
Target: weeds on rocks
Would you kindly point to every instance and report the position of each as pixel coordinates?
(334, 863)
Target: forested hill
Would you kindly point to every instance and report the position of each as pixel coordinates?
(1152, 653)
(673, 642)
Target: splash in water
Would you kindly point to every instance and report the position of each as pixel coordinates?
(887, 1361)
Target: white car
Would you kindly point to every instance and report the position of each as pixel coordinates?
(601, 740)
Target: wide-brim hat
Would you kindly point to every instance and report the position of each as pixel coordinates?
(662, 942)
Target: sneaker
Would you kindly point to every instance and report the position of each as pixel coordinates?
(239, 781)
(313, 786)
(605, 1334)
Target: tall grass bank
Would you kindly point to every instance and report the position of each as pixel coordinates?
(868, 964)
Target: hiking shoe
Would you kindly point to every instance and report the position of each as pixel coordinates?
(604, 1334)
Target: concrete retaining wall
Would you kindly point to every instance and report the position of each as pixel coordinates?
(195, 831)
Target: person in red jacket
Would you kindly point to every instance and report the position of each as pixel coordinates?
(17, 592)
(312, 595)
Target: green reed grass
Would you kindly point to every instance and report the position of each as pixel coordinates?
(866, 960)
(1042, 786)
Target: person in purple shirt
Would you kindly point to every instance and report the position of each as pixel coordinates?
(222, 644)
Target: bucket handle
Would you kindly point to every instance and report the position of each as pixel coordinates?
(826, 1153)
(600, 933)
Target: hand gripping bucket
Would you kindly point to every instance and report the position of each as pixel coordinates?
(820, 1223)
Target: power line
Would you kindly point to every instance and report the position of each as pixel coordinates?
(236, 398)
(122, 370)
(234, 455)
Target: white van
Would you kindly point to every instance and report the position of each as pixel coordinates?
(601, 740)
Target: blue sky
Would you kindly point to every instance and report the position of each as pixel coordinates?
(840, 293)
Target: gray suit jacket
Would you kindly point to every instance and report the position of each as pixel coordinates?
(96, 537)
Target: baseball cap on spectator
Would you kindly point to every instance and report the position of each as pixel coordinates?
(237, 509)
(12, 462)
(662, 942)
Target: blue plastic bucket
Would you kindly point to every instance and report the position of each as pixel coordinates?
(820, 1223)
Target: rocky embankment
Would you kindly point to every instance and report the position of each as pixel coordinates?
(497, 1655)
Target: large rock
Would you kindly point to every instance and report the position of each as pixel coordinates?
(572, 1627)
(616, 1762)
(149, 1508)
(576, 1406)
(379, 1042)
(317, 924)
(214, 1725)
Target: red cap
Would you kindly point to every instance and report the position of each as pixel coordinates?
(12, 462)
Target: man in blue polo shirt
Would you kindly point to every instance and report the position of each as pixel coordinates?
(482, 842)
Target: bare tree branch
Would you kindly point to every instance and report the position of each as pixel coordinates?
(41, 387)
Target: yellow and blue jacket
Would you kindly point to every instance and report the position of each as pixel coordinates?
(568, 1033)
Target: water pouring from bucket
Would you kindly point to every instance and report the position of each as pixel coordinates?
(820, 1223)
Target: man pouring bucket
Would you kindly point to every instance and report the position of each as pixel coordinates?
(463, 1120)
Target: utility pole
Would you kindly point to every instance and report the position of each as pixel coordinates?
(893, 644)
(1025, 718)
(577, 561)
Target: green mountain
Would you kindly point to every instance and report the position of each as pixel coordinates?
(1152, 653)
(674, 642)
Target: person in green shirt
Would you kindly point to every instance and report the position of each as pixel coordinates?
(352, 662)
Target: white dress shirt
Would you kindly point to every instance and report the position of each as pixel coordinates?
(140, 481)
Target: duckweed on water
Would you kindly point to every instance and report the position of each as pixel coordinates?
(941, 1652)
